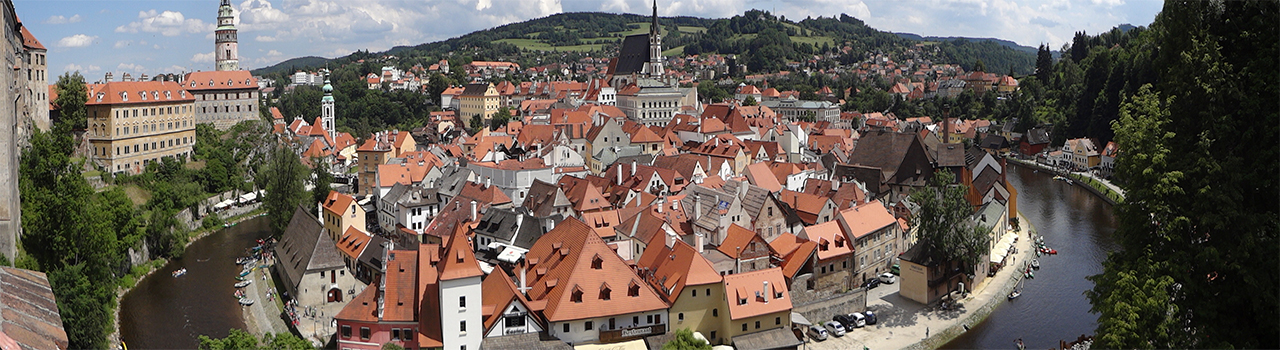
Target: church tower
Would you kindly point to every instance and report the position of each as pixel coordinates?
(326, 110)
(225, 48)
(655, 46)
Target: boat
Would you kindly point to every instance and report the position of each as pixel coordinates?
(180, 272)
(246, 272)
(244, 283)
(1048, 250)
(1059, 177)
(246, 301)
(1035, 263)
(1014, 295)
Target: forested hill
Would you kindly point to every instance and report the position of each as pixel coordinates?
(765, 41)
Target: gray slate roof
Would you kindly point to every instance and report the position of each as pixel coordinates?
(633, 55)
(304, 247)
(526, 341)
(777, 338)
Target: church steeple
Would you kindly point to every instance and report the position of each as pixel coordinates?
(654, 67)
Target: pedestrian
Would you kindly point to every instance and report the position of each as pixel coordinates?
(926, 332)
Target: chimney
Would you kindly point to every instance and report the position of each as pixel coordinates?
(474, 213)
(633, 167)
(619, 174)
(697, 206)
(127, 77)
(108, 78)
(700, 241)
(524, 287)
(765, 292)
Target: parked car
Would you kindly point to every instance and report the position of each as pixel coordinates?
(871, 318)
(888, 278)
(871, 283)
(845, 320)
(858, 319)
(834, 328)
(817, 333)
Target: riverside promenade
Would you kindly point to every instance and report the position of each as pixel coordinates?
(909, 325)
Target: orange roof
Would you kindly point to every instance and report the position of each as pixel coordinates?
(275, 114)
(676, 267)
(405, 174)
(795, 252)
(831, 240)
(353, 242)
(603, 222)
(866, 218)
(760, 175)
(458, 260)
(338, 203)
(737, 237)
(488, 195)
(119, 92)
(499, 291)
(30, 40)
(749, 296)
(215, 80)
(644, 135)
(578, 276)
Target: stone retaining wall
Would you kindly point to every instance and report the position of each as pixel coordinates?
(822, 309)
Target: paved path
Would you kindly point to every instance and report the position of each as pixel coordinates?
(263, 316)
(906, 324)
(1113, 187)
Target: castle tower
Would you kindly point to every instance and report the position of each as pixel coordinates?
(655, 46)
(225, 48)
(326, 110)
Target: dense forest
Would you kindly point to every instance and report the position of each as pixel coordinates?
(1192, 102)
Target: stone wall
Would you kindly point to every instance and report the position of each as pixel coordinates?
(818, 306)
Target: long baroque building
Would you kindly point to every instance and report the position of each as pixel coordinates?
(131, 123)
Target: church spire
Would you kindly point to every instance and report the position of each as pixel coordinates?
(653, 28)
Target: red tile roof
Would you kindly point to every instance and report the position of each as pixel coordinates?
(795, 252)
(830, 239)
(756, 293)
(458, 261)
(217, 80)
(673, 268)
(573, 268)
(155, 91)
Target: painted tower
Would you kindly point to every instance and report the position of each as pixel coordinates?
(326, 110)
(655, 46)
(225, 48)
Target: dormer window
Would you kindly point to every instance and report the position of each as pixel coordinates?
(576, 296)
(633, 290)
(143, 94)
(210, 82)
(168, 95)
(124, 96)
(155, 95)
(230, 82)
(742, 301)
(605, 292)
(182, 93)
(597, 263)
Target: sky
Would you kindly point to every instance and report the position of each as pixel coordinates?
(174, 36)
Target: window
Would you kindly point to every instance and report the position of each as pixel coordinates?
(587, 325)
(346, 331)
(605, 293)
(680, 316)
(635, 320)
(708, 291)
(633, 291)
(462, 326)
(657, 318)
(757, 324)
(713, 335)
(648, 319)
(566, 327)
(576, 297)
(395, 334)
(744, 326)
(777, 320)
(364, 333)
(695, 292)
(462, 302)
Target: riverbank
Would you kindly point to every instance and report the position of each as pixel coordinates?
(1102, 188)
(131, 280)
(907, 324)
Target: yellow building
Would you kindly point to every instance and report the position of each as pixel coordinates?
(689, 283)
(481, 99)
(340, 213)
(131, 123)
(758, 301)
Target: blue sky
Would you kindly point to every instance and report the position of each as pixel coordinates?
(152, 37)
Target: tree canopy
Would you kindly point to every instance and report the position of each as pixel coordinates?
(1199, 225)
(944, 222)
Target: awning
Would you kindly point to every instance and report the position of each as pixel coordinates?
(797, 318)
(1002, 247)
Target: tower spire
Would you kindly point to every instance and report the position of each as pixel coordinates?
(653, 28)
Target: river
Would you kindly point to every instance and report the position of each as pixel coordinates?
(1053, 306)
(164, 312)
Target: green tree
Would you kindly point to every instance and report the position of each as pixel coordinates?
(392, 346)
(684, 340)
(1199, 225)
(944, 222)
(284, 175)
(320, 179)
(749, 101)
(712, 93)
(500, 119)
(84, 305)
(477, 122)
(1044, 63)
(72, 96)
(236, 340)
(285, 341)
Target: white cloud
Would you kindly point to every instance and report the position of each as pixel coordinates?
(120, 44)
(156, 46)
(265, 39)
(274, 53)
(129, 67)
(167, 23)
(60, 19)
(205, 57)
(78, 40)
(1108, 3)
